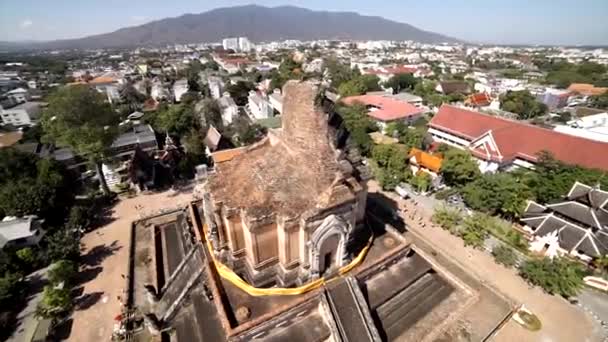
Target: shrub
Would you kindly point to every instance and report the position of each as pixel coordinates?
(556, 276)
(447, 218)
(474, 231)
(504, 256)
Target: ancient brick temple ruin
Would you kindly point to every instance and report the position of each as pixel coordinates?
(283, 211)
(280, 214)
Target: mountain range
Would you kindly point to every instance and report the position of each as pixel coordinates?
(258, 23)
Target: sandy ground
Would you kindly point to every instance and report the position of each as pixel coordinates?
(105, 253)
(561, 320)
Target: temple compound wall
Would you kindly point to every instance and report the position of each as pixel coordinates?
(284, 210)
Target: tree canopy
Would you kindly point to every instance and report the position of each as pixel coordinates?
(390, 162)
(558, 276)
(33, 186)
(562, 73)
(523, 104)
(78, 117)
(498, 193)
(459, 168)
(400, 82)
(599, 101)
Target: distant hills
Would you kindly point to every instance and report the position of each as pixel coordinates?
(258, 23)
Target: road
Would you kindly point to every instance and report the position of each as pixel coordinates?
(561, 320)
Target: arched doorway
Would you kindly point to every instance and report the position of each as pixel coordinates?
(327, 245)
(328, 253)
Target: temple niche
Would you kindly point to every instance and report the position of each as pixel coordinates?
(285, 210)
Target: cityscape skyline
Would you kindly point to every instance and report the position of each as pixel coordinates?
(540, 22)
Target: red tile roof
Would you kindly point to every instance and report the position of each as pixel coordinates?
(398, 69)
(387, 109)
(519, 140)
(479, 99)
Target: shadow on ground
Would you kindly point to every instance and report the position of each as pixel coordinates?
(87, 300)
(386, 210)
(88, 274)
(97, 254)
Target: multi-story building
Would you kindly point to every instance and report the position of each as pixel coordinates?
(158, 91)
(216, 86)
(230, 44)
(244, 44)
(258, 106)
(24, 114)
(230, 110)
(180, 87)
(276, 100)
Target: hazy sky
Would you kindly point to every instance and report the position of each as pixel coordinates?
(493, 21)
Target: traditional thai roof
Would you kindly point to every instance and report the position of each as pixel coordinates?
(426, 160)
(581, 221)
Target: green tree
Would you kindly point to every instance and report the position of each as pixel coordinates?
(352, 87)
(371, 82)
(79, 217)
(504, 255)
(210, 110)
(391, 165)
(459, 168)
(10, 288)
(131, 97)
(599, 101)
(63, 271)
(240, 92)
(78, 117)
(500, 193)
(552, 178)
(55, 302)
(473, 231)
(339, 72)
(400, 82)
(177, 119)
(558, 276)
(523, 104)
(447, 218)
(421, 182)
(27, 256)
(63, 245)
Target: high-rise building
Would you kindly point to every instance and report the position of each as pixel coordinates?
(231, 44)
(244, 44)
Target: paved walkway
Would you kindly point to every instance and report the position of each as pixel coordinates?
(106, 253)
(561, 320)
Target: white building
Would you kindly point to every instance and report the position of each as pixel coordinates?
(158, 91)
(230, 110)
(18, 95)
(20, 232)
(216, 86)
(24, 114)
(258, 106)
(230, 44)
(244, 44)
(180, 87)
(276, 100)
(594, 127)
